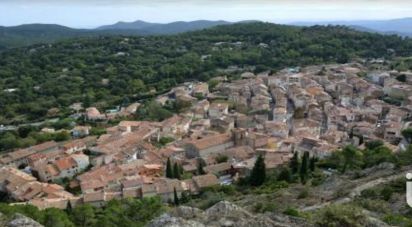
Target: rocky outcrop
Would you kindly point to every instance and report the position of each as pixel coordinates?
(19, 220)
(222, 214)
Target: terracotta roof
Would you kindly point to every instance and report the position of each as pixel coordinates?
(175, 119)
(132, 182)
(211, 141)
(130, 123)
(93, 197)
(65, 163)
(168, 185)
(215, 169)
(242, 152)
(204, 181)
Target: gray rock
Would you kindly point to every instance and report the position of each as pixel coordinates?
(186, 212)
(222, 214)
(226, 209)
(20, 220)
(169, 221)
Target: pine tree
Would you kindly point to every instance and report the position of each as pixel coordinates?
(258, 175)
(184, 198)
(312, 164)
(176, 171)
(285, 175)
(294, 163)
(169, 170)
(304, 168)
(175, 197)
(200, 165)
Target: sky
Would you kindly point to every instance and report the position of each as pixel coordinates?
(93, 13)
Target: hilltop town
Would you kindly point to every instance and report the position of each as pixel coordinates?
(215, 138)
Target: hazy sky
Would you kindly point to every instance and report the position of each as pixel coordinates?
(92, 13)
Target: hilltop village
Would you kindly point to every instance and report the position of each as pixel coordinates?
(217, 138)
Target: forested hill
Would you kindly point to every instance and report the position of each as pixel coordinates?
(29, 34)
(105, 70)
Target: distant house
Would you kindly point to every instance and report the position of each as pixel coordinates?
(81, 131)
(200, 90)
(204, 181)
(23, 187)
(19, 157)
(219, 169)
(208, 145)
(175, 127)
(224, 124)
(62, 168)
(217, 110)
(200, 110)
(93, 114)
(165, 189)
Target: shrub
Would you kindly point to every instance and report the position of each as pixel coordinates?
(397, 220)
(303, 194)
(340, 215)
(292, 212)
(386, 193)
(221, 158)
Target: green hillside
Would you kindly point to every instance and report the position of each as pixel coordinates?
(57, 75)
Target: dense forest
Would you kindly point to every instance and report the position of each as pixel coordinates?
(104, 71)
(126, 212)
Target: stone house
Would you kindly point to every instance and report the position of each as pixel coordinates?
(208, 145)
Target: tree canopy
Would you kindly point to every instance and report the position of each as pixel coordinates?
(106, 71)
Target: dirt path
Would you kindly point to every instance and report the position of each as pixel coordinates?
(358, 189)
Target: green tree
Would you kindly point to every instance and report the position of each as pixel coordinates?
(377, 155)
(352, 158)
(200, 165)
(84, 215)
(62, 136)
(56, 218)
(169, 170)
(294, 163)
(373, 144)
(175, 197)
(258, 175)
(176, 171)
(312, 163)
(303, 173)
(285, 175)
(407, 134)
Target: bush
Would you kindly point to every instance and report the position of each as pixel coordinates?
(374, 205)
(221, 158)
(97, 131)
(165, 140)
(318, 177)
(386, 193)
(303, 194)
(369, 193)
(292, 212)
(340, 215)
(285, 175)
(397, 220)
(265, 207)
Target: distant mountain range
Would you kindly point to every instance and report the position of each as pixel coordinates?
(29, 34)
(157, 28)
(401, 26)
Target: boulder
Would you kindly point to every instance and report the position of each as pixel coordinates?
(20, 220)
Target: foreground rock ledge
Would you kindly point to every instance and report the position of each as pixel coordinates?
(222, 213)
